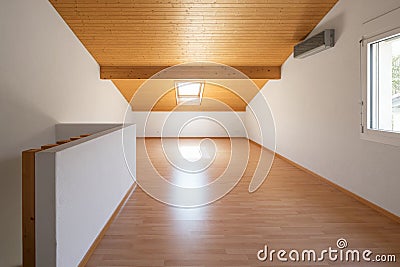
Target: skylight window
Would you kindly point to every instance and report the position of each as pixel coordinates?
(189, 93)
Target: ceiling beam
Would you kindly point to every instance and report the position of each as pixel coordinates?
(189, 72)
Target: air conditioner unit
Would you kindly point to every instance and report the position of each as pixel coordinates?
(315, 44)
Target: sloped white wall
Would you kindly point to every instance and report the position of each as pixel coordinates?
(189, 124)
(46, 77)
(317, 113)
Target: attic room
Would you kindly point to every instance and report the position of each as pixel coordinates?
(200, 133)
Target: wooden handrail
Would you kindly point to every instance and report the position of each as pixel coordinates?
(61, 142)
(28, 207)
(48, 146)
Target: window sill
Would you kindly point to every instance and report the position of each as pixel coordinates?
(389, 138)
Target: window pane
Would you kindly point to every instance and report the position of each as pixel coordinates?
(384, 95)
(396, 83)
(189, 89)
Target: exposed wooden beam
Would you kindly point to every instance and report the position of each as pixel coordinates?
(189, 72)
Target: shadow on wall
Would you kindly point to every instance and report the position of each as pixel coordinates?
(336, 23)
(24, 126)
(10, 206)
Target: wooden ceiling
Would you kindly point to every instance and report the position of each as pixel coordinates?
(215, 97)
(127, 34)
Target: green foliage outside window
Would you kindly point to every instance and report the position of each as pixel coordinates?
(396, 75)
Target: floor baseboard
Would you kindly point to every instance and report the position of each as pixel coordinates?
(342, 189)
(90, 251)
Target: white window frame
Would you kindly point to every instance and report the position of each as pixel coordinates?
(189, 100)
(378, 29)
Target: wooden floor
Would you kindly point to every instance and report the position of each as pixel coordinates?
(291, 210)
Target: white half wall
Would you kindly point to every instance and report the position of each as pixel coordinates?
(46, 77)
(188, 124)
(78, 187)
(317, 112)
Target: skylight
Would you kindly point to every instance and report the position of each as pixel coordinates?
(189, 93)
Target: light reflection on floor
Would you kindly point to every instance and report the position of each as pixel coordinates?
(188, 180)
(190, 152)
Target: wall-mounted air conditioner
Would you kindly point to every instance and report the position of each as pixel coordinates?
(315, 44)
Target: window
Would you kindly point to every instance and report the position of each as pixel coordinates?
(380, 79)
(189, 93)
(384, 84)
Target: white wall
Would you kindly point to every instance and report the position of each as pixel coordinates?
(260, 122)
(199, 124)
(67, 130)
(46, 77)
(317, 113)
(79, 185)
